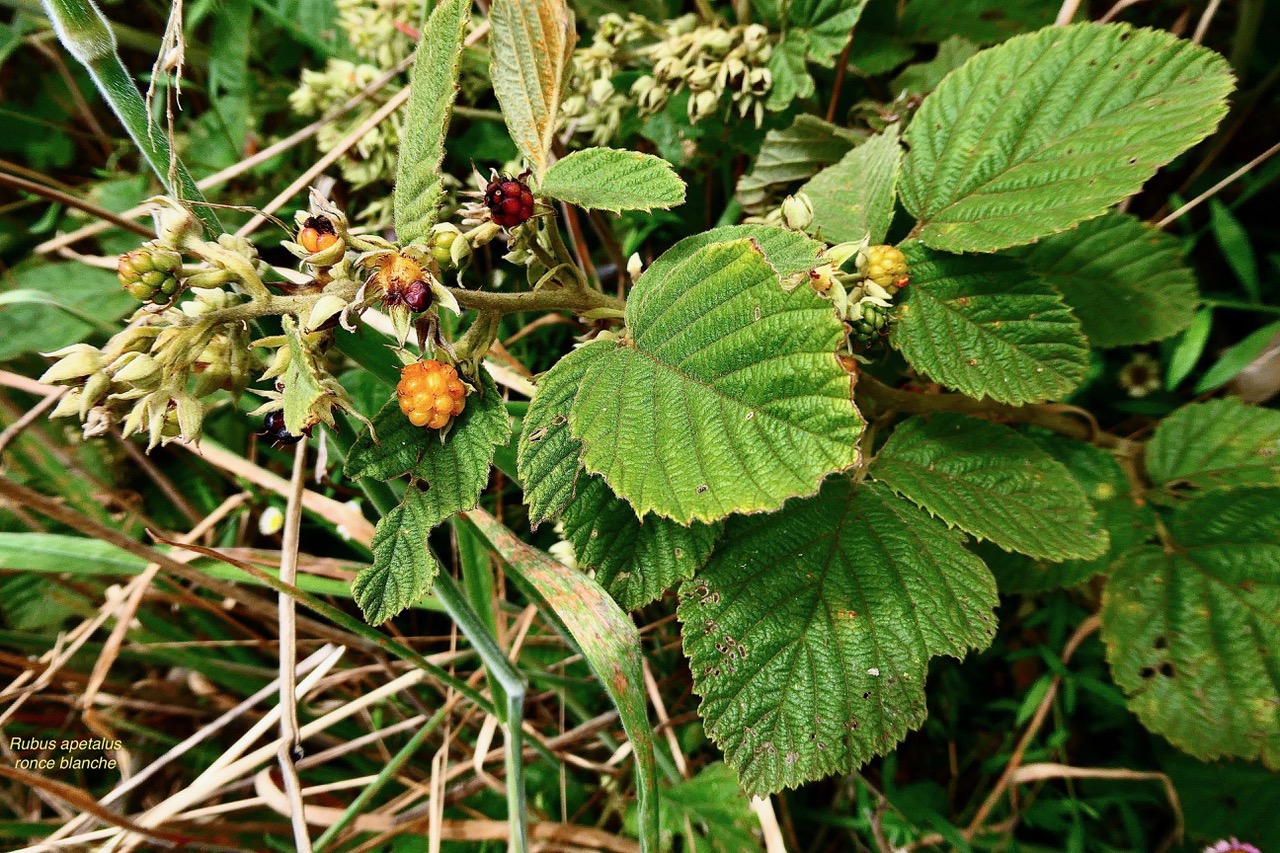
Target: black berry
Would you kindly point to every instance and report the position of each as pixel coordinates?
(274, 429)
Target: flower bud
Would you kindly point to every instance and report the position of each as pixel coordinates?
(797, 212)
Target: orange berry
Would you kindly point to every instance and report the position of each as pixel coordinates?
(430, 393)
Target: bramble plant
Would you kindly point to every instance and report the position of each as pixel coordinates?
(829, 424)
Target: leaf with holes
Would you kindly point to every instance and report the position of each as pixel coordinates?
(854, 198)
(985, 328)
(610, 179)
(434, 84)
(1221, 444)
(457, 467)
(531, 43)
(1192, 631)
(726, 395)
(403, 567)
(993, 482)
(637, 560)
(1051, 128)
(1127, 520)
(793, 154)
(547, 455)
(810, 630)
(607, 638)
(1124, 279)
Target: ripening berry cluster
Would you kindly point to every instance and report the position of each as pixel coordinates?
(430, 393)
(509, 200)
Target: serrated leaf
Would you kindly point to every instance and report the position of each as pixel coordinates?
(635, 560)
(434, 81)
(456, 469)
(793, 154)
(993, 482)
(810, 630)
(608, 640)
(1221, 444)
(789, 71)
(922, 78)
(1124, 279)
(547, 454)
(1192, 632)
(1051, 128)
(1127, 520)
(531, 43)
(612, 179)
(788, 252)
(727, 397)
(854, 198)
(403, 567)
(984, 327)
(827, 23)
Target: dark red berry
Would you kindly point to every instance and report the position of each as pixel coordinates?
(417, 296)
(509, 200)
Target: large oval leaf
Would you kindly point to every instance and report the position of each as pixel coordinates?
(853, 199)
(1028, 138)
(993, 482)
(1219, 444)
(809, 632)
(726, 396)
(1123, 278)
(1192, 630)
(984, 327)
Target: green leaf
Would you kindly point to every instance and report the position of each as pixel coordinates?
(1124, 279)
(608, 640)
(1192, 632)
(531, 44)
(810, 630)
(1237, 358)
(1233, 240)
(788, 252)
(793, 154)
(635, 560)
(547, 454)
(403, 566)
(854, 198)
(434, 83)
(1221, 444)
(789, 72)
(456, 467)
(613, 179)
(708, 812)
(993, 482)
(301, 380)
(984, 327)
(1052, 128)
(922, 78)
(827, 23)
(726, 396)
(1127, 521)
(981, 21)
(1188, 348)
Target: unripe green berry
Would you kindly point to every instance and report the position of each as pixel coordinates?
(150, 273)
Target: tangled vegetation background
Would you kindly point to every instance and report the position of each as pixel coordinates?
(347, 285)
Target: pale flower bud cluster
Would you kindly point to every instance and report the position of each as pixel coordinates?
(713, 63)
